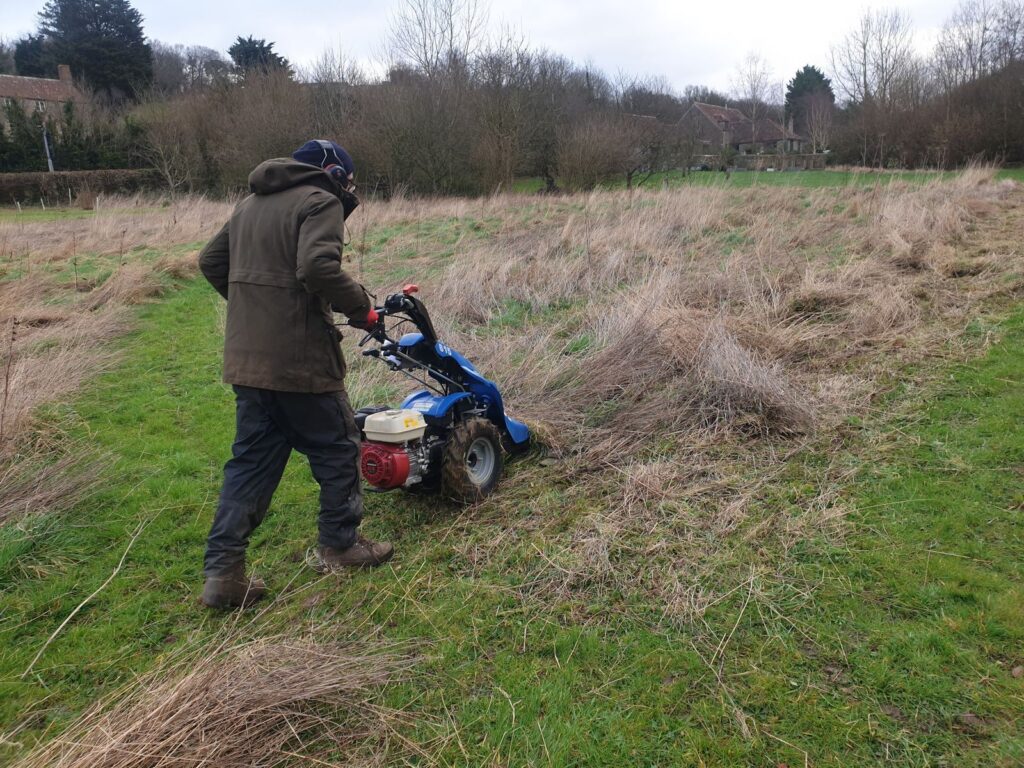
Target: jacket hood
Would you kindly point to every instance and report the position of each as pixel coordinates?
(284, 173)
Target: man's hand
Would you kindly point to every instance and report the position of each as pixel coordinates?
(372, 318)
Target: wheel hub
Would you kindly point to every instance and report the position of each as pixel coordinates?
(480, 461)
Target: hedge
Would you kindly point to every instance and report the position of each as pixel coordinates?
(60, 187)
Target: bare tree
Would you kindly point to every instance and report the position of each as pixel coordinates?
(502, 73)
(649, 146)
(330, 80)
(168, 68)
(652, 96)
(437, 35)
(205, 66)
(753, 84)
(966, 48)
(592, 149)
(1009, 44)
(868, 66)
(868, 63)
(170, 143)
(820, 114)
(705, 95)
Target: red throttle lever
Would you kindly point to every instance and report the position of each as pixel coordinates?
(410, 289)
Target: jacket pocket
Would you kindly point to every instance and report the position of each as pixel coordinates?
(336, 363)
(334, 360)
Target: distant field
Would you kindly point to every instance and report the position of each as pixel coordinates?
(773, 517)
(810, 179)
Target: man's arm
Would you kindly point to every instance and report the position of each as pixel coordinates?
(214, 261)
(318, 259)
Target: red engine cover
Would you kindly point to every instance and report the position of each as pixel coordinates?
(384, 465)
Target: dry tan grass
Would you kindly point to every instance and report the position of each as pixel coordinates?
(267, 702)
(54, 330)
(52, 355)
(48, 472)
(678, 345)
(700, 308)
(117, 226)
(645, 326)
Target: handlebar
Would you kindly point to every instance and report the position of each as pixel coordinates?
(405, 304)
(393, 304)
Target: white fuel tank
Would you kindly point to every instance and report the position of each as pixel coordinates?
(399, 425)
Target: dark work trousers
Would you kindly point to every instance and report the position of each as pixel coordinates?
(269, 425)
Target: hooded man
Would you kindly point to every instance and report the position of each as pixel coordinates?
(277, 261)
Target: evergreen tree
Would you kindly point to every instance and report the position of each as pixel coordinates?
(6, 57)
(25, 143)
(256, 56)
(33, 57)
(5, 150)
(807, 84)
(103, 42)
(71, 143)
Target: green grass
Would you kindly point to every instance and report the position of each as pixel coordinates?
(868, 650)
(34, 214)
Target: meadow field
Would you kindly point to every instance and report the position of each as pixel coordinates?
(772, 516)
(831, 177)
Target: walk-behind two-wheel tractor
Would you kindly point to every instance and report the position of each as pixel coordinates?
(449, 437)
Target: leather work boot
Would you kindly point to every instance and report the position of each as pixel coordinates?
(363, 554)
(232, 589)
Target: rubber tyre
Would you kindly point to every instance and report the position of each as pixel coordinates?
(466, 455)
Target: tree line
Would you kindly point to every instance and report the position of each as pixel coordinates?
(457, 110)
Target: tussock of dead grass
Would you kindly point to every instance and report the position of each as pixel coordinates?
(130, 284)
(52, 355)
(48, 472)
(267, 702)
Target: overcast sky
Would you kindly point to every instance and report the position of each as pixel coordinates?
(687, 43)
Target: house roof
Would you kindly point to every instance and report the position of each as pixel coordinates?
(739, 127)
(720, 114)
(767, 130)
(37, 89)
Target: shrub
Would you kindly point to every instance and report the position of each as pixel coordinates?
(64, 186)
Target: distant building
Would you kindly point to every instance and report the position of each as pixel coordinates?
(716, 128)
(39, 94)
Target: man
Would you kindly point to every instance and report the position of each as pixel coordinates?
(278, 263)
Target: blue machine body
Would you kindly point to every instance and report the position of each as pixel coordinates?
(480, 389)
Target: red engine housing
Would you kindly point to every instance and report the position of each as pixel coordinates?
(384, 465)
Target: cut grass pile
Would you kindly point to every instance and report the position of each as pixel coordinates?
(835, 583)
(262, 702)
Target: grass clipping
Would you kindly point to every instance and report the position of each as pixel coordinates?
(263, 703)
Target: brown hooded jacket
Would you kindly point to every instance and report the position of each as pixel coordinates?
(278, 263)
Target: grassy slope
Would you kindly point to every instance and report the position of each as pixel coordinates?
(877, 648)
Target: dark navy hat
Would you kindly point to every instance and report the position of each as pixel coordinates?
(324, 153)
